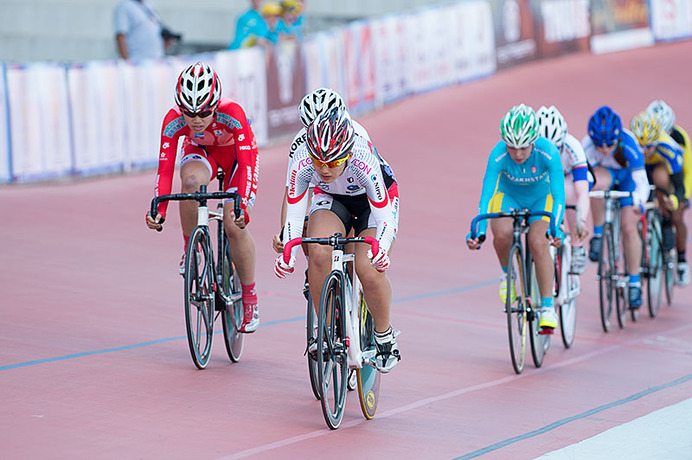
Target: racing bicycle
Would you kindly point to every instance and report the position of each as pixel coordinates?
(212, 286)
(523, 300)
(345, 336)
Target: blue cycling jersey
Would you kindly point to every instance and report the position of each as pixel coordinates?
(539, 176)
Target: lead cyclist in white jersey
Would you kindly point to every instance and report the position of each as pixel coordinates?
(552, 126)
(313, 104)
(354, 189)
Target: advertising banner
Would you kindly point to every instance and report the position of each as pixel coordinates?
(389, 48)
(324, 61)
(40, 127)
(359, 67)
(514, 32)
(562, 26)
(472, 40)
(285, 88)
(619, 24)
(97, 108)
(671, 19)
(5, 173)
(244, 76)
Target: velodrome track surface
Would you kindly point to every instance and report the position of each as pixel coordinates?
(93, 356)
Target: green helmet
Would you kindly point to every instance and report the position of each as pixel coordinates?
(519, 128)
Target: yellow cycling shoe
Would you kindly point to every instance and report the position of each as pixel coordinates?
(548, 318)
(503, 289)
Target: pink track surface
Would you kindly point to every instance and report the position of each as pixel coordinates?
(93, 356)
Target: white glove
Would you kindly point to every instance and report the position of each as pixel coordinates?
(379, 261)
(282, 270)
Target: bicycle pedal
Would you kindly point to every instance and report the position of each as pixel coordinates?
(546, 331)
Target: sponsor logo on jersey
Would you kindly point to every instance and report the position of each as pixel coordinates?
(353, 188)
(322, 203)
(165, 145)
(243, 147)
(229, 121)
(173, 127)
(533, 170)
(199, 135)
(296, 143)
(218, 133)
(241, 137)
(350, 179)
(304, 162)
(363, 166)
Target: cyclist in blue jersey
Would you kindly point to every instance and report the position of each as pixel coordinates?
(618, 163)
(524, 171)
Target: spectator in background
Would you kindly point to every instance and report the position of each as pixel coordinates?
(276, 28)
(139, 32)
(248, 27)
(293, 17)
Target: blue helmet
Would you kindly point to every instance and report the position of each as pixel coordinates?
(605, 127)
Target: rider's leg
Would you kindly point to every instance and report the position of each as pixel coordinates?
(242, 246)
(502, 239)
(604, 180)
(193, 174)
(540, 251)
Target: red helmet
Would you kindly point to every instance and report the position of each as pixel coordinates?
(330, 136)
(198, 89)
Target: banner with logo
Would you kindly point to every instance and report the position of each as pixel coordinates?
(285, 88)
(619, 24)
(671, 19)
(514, 32)
(390, 54)
(243, 74)
(324, 61)
(40, 127)
(562, 26)
(98, 117)
(5, 173)
(472, 40)
(359, 67)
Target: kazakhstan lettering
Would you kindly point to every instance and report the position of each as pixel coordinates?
(525, 180)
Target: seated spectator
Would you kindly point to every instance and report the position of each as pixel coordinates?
(249, 26)
(293, 17)
(276, 28)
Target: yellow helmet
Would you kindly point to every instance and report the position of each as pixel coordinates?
(646, 127)
(271, 9)
(292, 6)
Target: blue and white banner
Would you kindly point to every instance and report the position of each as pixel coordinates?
(323, 55)
(390, 52)
(671, 19)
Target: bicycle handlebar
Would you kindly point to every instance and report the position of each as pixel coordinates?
(197, 196)
(515, 214)
(331, 241)
(609, 194)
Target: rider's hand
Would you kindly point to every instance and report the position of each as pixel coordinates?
(154, 224)
(582, 232)
(474, 243)
(379, 261)
(277, 244)
(281, 269)
(243, 220)
(555, 241)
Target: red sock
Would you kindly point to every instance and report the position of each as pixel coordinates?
(249, 294)
(186, 240)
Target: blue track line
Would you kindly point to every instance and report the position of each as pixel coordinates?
(564, 421)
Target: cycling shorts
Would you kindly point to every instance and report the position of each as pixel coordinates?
(504, 202)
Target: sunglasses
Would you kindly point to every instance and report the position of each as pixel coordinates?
(204, 114)
(328, 164)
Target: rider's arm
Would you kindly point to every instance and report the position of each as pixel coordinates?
(490, 179)
(246, 156)
(173, 127)
(297, 196)
(557, 182)
(635, 160)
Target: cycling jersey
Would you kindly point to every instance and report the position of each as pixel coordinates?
(365, 177)
(228, 142)
(300, 140)
(625, 165)
(574, 159)
(667, 152)
(528, 183)
(683, 140)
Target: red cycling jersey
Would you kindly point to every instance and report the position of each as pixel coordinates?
(228, 143)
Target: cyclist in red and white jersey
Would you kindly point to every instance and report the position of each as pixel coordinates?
(552, 126)
(216, 134)
(354, 190)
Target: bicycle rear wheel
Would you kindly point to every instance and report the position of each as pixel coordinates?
(199, 297)
(231, 316)
(332, 362)
(515, 308)
(654, 269)
(669, 278)
(311, 331)
(367, 377)
(568, 311)
(606, 275)
(539, 342)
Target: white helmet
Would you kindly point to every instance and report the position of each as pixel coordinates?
(664, 113)
(318, 101)
(198, 89)
(552, 125)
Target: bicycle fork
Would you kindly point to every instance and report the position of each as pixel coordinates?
(351, 301)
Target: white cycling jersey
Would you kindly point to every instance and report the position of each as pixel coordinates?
(572, 155)
(300, 140)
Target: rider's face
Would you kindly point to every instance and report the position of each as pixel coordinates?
(520, 155)
(198, 124)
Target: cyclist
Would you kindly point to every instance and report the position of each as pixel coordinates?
(667, 118)
(617, 162)
(313, 104)
(552, 126)
(524, 171)
(216, 134)
(354, 190)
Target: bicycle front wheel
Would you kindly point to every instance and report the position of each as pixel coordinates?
(654, 272)
(311, 331)
(232, 316)
(539, 342)
(515, 308)
(367, 377)
(332, 365)
(606, 277)
(568, 311)
(669, 264)
(199, 297)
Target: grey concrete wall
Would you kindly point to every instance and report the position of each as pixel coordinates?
(82, 30)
